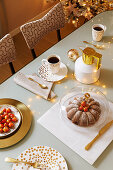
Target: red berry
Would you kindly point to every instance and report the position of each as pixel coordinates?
(14, 119)
(4, 110)
(12, 115)
(83, 103)
(3, 116)
(1, 125)
(8, 110)
(0, 117)
(9, 120)
(5, 129)
(81, 108)
(11, 125)
(1, 130)
(7, 117)
(3, 120)
(85, 109)
(5, 113)
(6, 124)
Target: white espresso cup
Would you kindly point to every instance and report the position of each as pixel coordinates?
(53, 63)
(98, 31)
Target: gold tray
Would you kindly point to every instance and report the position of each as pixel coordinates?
(24, 127)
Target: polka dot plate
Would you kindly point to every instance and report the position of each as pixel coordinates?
(46, 156)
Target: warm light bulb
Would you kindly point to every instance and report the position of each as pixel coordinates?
(88, 8)
(38, 97)
(73, 21)
(53, 100)
(104, 86)
(30, 99)
(95, 70)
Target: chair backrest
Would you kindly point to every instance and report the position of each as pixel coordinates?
(34, 31)
(7, 50)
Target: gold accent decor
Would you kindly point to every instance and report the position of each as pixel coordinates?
(89, 54)
(25, 125)
(73, 54)
(87, 95)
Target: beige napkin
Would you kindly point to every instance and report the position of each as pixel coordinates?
(23, 81)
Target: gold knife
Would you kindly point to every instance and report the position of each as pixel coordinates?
(101, 132)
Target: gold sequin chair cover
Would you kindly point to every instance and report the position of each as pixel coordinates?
(34, 31)
(7, 51)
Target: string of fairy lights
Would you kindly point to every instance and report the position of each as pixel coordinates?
(80, 11)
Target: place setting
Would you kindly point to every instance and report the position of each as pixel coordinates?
(51, 70)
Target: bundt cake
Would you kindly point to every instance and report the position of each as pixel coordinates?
(83, 111)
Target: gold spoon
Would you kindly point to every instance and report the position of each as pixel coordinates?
(35, 164)
(96, 46)
(43, 86)
(101, 132)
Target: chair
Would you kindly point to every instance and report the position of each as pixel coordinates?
(35, 30)
(7, 52)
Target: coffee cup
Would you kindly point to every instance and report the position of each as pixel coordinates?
(53, 63)
(98, 31)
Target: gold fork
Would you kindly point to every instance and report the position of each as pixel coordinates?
(35, 164)
(43, 86)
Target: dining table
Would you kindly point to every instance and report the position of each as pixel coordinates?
(37, 134)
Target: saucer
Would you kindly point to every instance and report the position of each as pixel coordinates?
(46, 74)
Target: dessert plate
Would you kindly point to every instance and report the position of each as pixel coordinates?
(17, 124)
(45, 73)
(45, 155)
(78, 92)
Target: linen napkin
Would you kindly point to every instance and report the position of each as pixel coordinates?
(75, 139)
(23, 81)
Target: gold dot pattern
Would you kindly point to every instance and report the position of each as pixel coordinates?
(47, 156)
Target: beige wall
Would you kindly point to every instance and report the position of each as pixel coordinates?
(20, 11)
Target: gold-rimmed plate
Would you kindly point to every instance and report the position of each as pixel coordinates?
(26, 118)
